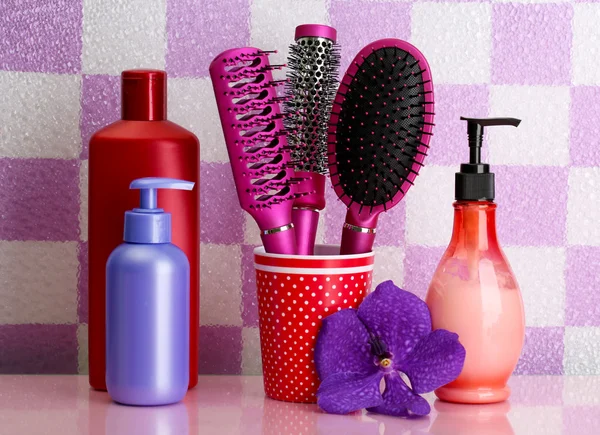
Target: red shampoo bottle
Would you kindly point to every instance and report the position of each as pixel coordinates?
(142, 144)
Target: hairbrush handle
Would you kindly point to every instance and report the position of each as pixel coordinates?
(280, 240)
(358, 233)
(305, 214)
(306, 222)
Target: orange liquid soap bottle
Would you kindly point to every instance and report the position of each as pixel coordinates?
(474, 291)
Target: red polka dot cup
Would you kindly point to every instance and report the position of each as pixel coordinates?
(295, 292)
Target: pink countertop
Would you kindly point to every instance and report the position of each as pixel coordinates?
(65, 405)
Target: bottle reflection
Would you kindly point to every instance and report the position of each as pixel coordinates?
(147, 420)
(390, 425)
(275, 417)
(295, 418)
(455, 419)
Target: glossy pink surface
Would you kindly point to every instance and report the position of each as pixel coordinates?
(65, 405)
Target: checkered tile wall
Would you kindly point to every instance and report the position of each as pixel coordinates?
(59, 67)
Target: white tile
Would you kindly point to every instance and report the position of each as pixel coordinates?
(83, 195)
(251, 231)
(586, 48)
(543, 136)
(251, 359)
(374, 1)
(220, 285)
(192, 105)
(455, 39)
(82, 349)
(540, 274)
(389, 264)
(38, 282)
(583, 207)
(429, 211)
(582, 351)
(273, 23)
(119, 35)
(543, 420)
(581, 390)
(39, 115)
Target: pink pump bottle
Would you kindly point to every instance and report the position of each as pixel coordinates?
(474, 291)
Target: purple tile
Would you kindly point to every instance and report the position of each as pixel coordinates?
(532, 205)
(249, 301)
(582, 278)
(38, 349)
(531, 44)
(581, 420)
(220, 350)
(41, 36)
(198, 31)
(100, 106)
(82, 283)
(420, 263)
(360, 22)
(39, 199)
(221, 217)
(448, 144)
(542, 353)
(585, 128)
(454, 1)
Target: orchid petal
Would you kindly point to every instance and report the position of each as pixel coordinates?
(435, 361)
(342, 393)
(399, 400)
(343, 346)
(399, 318)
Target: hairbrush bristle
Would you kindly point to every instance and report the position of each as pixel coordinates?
(248, 101)
(380, 134)
(312, 83)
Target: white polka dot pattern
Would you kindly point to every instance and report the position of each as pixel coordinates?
(291, 306)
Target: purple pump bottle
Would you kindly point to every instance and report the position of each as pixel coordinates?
(147, 305)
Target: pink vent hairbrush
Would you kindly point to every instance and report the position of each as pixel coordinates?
(312, 83)
(379, 133)
(254, 134)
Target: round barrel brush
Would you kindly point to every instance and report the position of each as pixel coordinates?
(312, 83)
(379, 132)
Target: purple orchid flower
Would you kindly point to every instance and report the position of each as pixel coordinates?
(388, 334)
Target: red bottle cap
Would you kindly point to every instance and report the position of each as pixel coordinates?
(144, 95)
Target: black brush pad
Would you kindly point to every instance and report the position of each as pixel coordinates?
(379, 128)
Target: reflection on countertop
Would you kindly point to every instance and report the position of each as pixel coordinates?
(36, 404)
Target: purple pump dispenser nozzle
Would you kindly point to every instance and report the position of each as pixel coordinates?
(148, 305)
(148, 223)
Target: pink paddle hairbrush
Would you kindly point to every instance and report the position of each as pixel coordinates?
(379, 133)
(255, 137)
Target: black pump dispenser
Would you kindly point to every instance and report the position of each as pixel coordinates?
(475, 182)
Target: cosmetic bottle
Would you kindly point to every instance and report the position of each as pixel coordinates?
(148, 305)
(142, 144)
(474, 292)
